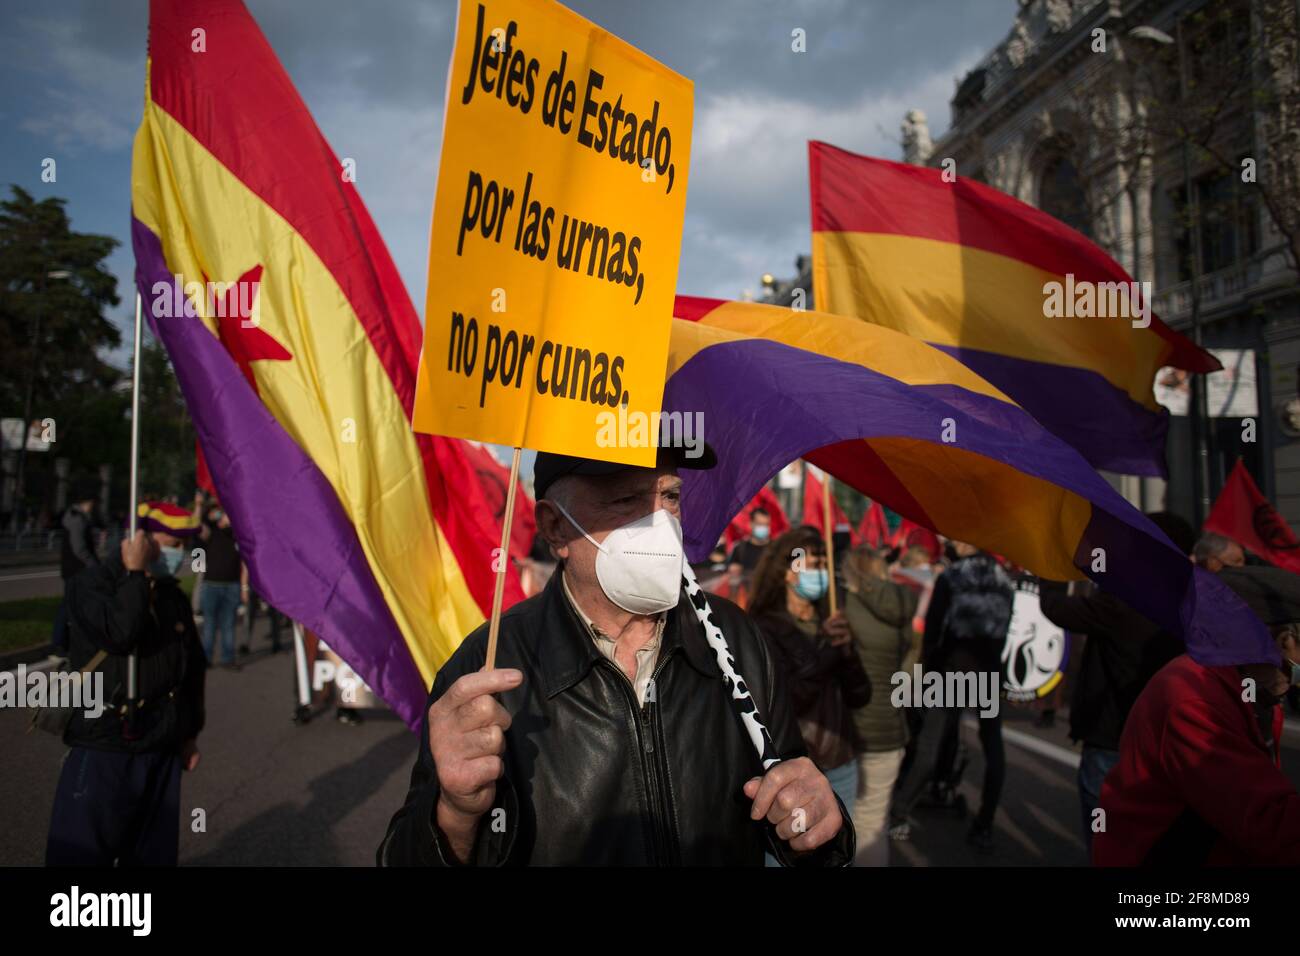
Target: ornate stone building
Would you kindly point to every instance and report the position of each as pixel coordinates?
(1104, 113)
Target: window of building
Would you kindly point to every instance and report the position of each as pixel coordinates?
(1229, 224)
(1060, 194)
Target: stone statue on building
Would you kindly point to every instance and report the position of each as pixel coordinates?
(916, 138)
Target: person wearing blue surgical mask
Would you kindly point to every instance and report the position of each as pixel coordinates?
(117, 801)
(746, 554)
(814, 650)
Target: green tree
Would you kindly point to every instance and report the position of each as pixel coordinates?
(54, 291)
(166, 434)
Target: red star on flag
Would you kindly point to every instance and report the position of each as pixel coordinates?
(246, 342)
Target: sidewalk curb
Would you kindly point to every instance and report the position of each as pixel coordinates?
(38, 656)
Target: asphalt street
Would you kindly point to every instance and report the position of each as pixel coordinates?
(276, 794)
(273, 794)
(30, 582)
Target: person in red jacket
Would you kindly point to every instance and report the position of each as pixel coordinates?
(1198, 780)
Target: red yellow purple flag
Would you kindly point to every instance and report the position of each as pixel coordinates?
(908, 425)
(1032, 306)
(296, 346)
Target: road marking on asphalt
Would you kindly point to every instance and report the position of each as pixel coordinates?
(1043, 748)
(1062, 755)
(29, 576)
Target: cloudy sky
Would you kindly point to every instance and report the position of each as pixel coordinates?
(373, 74)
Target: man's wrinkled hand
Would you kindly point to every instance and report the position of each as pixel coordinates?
(467, 728)
(796, 797)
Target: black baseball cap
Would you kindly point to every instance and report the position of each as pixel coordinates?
(550, 468)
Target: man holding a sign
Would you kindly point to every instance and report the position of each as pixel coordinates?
(606, 736)
(625, 724)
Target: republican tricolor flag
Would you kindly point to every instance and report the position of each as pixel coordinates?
(1004, 288)
(911, 427)
(296, 345)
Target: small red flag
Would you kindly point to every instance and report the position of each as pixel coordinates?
(874, 529)
(814, 507)
(912, 535)
(493, 483)
(1243, 514)
(202, 477)
(767, 500)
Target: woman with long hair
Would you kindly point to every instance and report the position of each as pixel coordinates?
(814, 652)
(879, 613)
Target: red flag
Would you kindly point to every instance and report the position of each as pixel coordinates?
(1243, 514)
(874, 529)
(814, 507)
(767, 500)
(492, 478)
(911, 535)
(202, 477)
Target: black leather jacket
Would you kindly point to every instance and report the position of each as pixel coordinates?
(121, 613)
(592, 777)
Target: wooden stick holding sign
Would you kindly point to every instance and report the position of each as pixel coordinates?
(829, 533)
(504, 558)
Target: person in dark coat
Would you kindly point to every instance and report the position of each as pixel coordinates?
(1122, 651)
(814, 650)
(965, 630)
(607, 733)
(118, 795)
(78, 551)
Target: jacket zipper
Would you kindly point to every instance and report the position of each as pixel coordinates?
(651, 765)
(654, 737)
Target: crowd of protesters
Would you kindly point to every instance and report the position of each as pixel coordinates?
(1132, 681)
(1178, 763)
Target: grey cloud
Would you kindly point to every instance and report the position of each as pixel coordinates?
(374, 75)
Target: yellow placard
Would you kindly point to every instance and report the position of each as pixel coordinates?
(557, 228)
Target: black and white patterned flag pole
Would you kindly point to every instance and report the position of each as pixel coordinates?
(741, 698)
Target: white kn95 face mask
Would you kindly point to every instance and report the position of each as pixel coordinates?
(639, 566)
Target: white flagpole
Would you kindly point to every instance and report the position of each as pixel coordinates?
(135, 470)
(300, 666)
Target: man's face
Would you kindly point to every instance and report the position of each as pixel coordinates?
(600, 505)
(1230, 557)
(217, 515)
(166, 540)
(757, 522)
(1274, 681)
(155, 540)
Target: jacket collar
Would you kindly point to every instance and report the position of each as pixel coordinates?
(566, 651)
